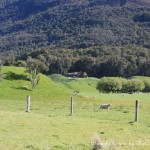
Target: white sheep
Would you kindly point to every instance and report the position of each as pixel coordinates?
(105, 106)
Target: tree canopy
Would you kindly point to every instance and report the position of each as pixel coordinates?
(28, 25)
(95, 61)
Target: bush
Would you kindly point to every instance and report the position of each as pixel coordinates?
(110, 84)
(21, 63)
(133, 85)
(147, 86)
(96, 142)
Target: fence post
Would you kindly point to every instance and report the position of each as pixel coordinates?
(136, 110)
(71, 108)
(28, 104)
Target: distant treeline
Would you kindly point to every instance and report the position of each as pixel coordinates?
(95, 61)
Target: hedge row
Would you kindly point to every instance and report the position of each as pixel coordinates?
(112, 84)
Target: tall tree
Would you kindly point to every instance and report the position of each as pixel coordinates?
(34, 67)
(85, 64)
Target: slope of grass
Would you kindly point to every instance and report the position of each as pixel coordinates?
(50, 127)
(82, 86)
(16, 85)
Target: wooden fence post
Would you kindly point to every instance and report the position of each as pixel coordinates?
(136, 110)
(28, 104)
(71, 108)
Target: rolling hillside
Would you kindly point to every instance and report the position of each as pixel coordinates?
(34, 24)
(17, 86)
(84, 87)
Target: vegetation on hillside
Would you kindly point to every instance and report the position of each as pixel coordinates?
(28, 25)
(95, 61)
(99, 37)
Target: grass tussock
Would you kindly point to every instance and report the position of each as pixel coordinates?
(96, 142)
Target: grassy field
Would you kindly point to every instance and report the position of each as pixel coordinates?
(49, 125)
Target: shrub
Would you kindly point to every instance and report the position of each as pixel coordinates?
(109, 84)
(147, 86)
(21, 63)
(112, 84)
(96, 142)
(133, 85)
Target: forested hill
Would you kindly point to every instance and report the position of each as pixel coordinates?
(27, 25)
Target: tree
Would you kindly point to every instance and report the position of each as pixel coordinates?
(34, 67)
(85, 64)
(21, 63)
(60, 64)
(114, 66)
(10, 61)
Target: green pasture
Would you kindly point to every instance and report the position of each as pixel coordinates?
(49, 125)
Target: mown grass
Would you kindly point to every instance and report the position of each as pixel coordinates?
(49, 125)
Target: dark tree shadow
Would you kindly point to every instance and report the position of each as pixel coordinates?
(13, 76)
(22, 88)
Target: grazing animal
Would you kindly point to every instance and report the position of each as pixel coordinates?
(105, 106)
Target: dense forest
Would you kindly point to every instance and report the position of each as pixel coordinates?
(100, 37)
(95, 61)
(27, 25)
